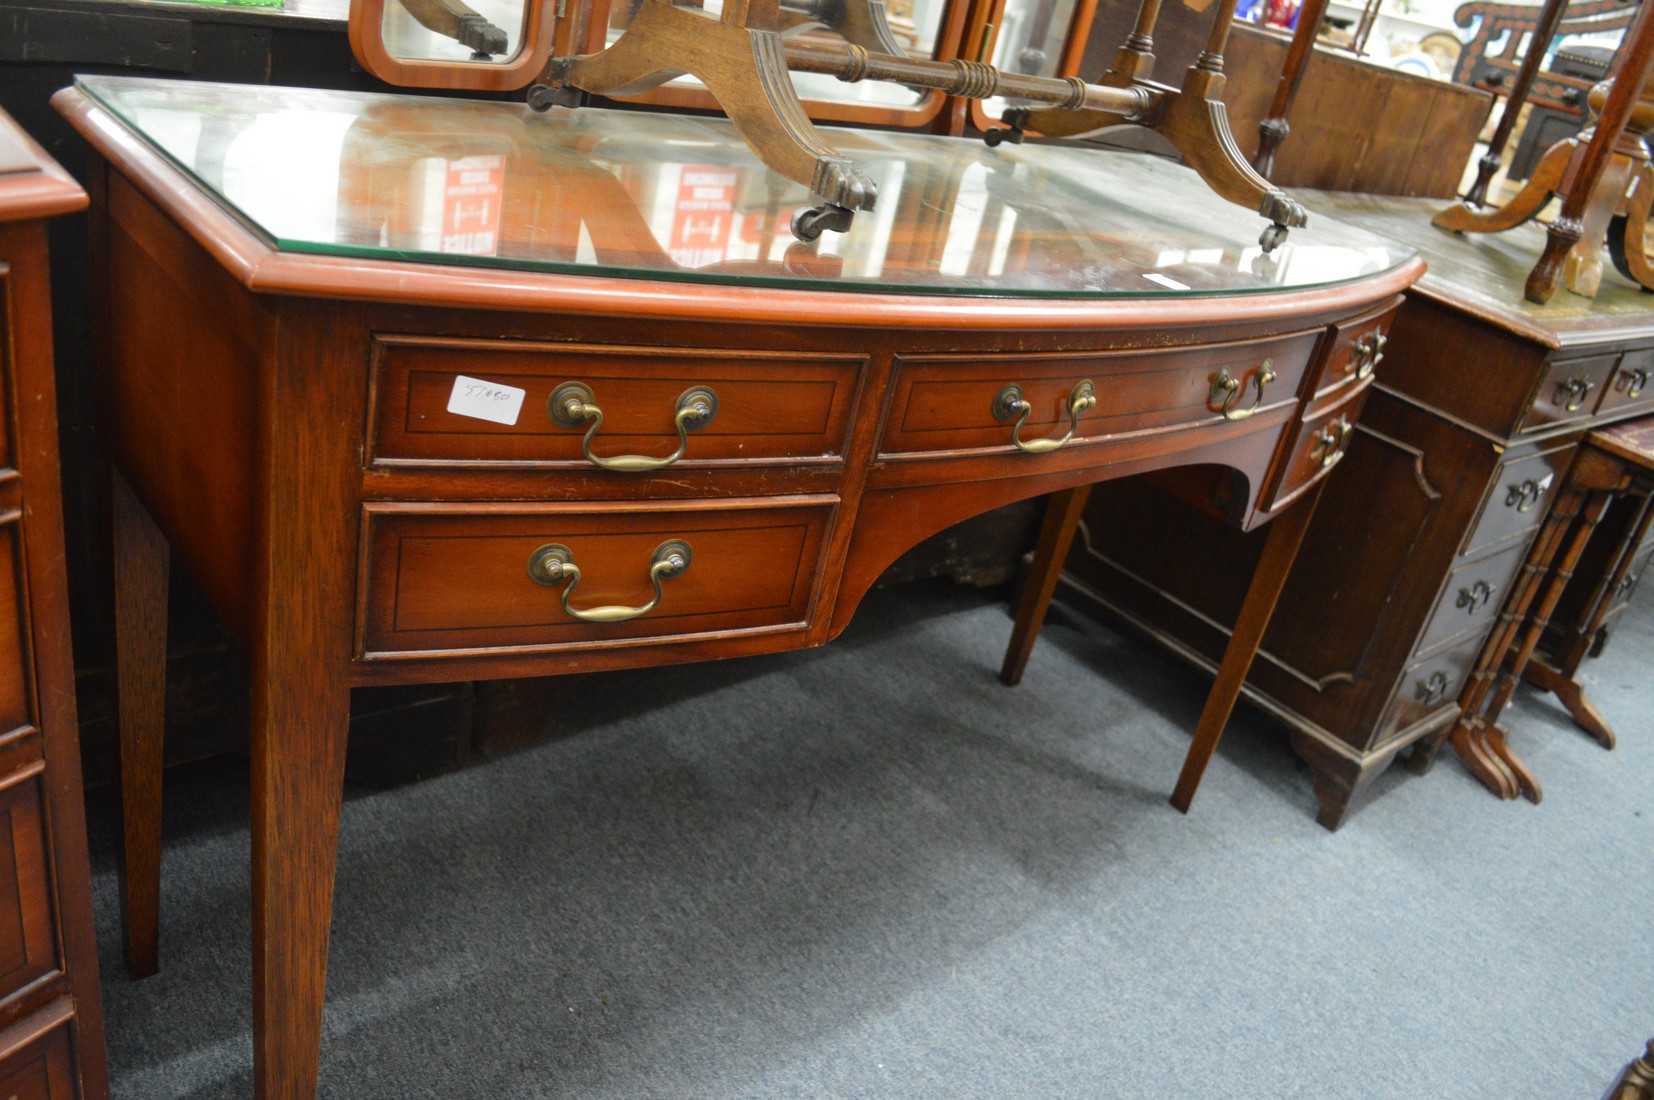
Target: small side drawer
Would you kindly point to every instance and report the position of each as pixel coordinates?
(766, 407)
(1471, 598)
(1319, 446)
(953, 404)
(28, 942)
(1620, 598)
(1426, 689)
(475, 577)
(1631, 385)
(1518, 495)
(35, 1064)
(1358, 347)
(1569, 389)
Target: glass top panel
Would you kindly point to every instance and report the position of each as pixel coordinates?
(625, 193)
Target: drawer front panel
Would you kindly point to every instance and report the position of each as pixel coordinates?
(1358, 349)
(1516, 500)
(1620, 598)
(953, 405)
(1631, 385)
(40, 1070)
(28, 945)
(1427, 689)
(1319, 446)
(1569, 390)
(458, 577)
(7, 310)
(16, 698)
(768, 407)
(1471, 598)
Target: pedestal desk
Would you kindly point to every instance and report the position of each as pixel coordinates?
(425, 389)
(1481, 401)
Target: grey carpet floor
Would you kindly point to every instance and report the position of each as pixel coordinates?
(870, 871)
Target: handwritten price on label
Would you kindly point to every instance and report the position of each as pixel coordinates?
(482, 400)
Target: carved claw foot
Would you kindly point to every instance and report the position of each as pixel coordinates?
(842, 184)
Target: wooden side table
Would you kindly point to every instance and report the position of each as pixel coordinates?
(582, 438)
(1616, 462)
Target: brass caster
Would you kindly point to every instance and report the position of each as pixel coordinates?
(810, 221)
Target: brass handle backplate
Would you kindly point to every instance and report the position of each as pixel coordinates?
(1432, 690)
(553, 564)
(1009, 402)
(1474, 598)
(1226, 389)
(1329, 442)
(1571, 394)
(1369, 352)
(573, 404)
(1631, 381)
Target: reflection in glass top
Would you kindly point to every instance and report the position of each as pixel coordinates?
(623, 193)
(902, 28)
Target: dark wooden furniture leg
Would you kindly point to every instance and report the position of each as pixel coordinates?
(1273, 129)
(1568, 227)
(1280, 548)
(1538, 46)
(141, 557)
(300, 664)
(1562, 678)
(1636, 1080)
(1062, 519)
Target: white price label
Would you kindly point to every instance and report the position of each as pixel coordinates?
(485, 400)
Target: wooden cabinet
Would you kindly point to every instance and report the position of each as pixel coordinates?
(51, 1030)
(1480, 403)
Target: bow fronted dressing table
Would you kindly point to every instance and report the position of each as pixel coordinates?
(427, 389)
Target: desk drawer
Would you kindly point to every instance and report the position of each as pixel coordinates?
(1631, 386)
(1518, 495)
(766, 407)
(478, 577)
(1472, 597)
(1569, 390)
(1427, 689)
(954, 404)
(1319, 446)
(1358, 347)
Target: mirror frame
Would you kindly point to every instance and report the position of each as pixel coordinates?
(368, 44)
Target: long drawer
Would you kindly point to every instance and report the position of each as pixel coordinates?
(947, 404)
(439, 401)
(478, 578)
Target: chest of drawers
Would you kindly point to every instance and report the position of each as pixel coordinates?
(51, 1029)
